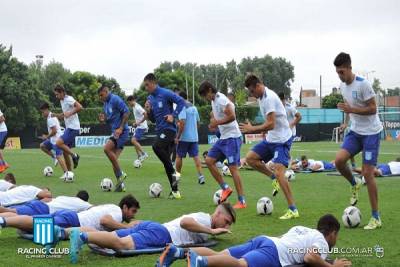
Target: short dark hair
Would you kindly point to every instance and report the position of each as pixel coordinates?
(176, 89)
(281, 95)
(342, 60)
(44, 106)
(251, 81)
(59, 88)
(328, 224)
(9, 177)
(205, 153)
(150, 77)
(304, 157)
(230, 210)
(206, 86)
(131, 98)
(183, 95)
(83, 194)
(101, 88)
(129, 201)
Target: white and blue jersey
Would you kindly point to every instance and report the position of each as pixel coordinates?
(115, 108)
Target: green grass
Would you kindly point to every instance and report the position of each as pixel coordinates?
(315, 195)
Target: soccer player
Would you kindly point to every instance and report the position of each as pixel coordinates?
(116, 114)
(228, 145)
(300, 245)
(3, 139)
(8, 182)
(140, 126)
(188, 229)
(276, 146)
(360, 105)
(159, 110)
(50, 139)
(70, 108)
(100, 218)
(382, 169)
(21, 194)
(313, 165)
(293, 116)
(49, 205)
(187, 138)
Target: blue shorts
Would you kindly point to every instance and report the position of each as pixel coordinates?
(3, 139)
(257, 252)
(121, 141)
(328, 165)
(69, 136)
(384, 168)
(34, 207)
(139, 132)
(147, 234)
(53, 147)
(369, 144)
(191, 148)
(227, 148)
(66, 218)
(277, 152)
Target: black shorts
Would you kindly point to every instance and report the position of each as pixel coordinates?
(166, 137)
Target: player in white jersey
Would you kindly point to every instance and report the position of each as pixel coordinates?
(140, 126)
(228, 145)
(49, 146)
(70, 108)
(312, 165)
(48, 205)
(276, 146)
(3, 138)
(8, 182)
(187, 229)
(361, 108)
(21, 194)
(293, 116)
(300, 245)
(385, 169)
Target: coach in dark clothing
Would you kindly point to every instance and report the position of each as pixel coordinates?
(159, 110)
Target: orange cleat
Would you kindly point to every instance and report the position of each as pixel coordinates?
(225, 194)
(240, 205)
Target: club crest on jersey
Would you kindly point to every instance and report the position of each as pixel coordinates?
(354, 94)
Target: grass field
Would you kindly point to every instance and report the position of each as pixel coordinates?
(315, 195)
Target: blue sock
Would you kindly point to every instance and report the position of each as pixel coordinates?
(224, 186)
(273, 177)
(353, 181)
(180, 253)
(118, 174)
(2, 222)
(375, 214)
(242, 199)
(292, 207)
(202, 261)
(84, 237)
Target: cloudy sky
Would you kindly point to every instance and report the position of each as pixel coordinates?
(127, 39)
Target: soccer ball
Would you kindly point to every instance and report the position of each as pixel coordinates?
(155, 190)
(69, 177)
(48, 171)
(226, 171)
(264, 206)
(217, 196)
(290, 175)
(137, 163)
(106, 184)
(351, 217)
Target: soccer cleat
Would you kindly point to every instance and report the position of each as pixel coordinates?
(177, 176)
(354, 191)
(290, 215)
(143, 157)
(75, 160)
(275, 187)
(202, 180)
(75, 245)
(194, 260)
(167, 257)
(62, 177)
(2, 168)
(240, 205)
(175, 195)
(373, 224)
(225, 194)
(119, 187)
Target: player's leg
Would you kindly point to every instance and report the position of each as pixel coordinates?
(181, 151)
(193, 152)
(68, 161)
(46, 147)
(3, 139)
(22, 222)
(7, 212)
(136, 144)
(60, 158)
(112, 152)
(64, 143)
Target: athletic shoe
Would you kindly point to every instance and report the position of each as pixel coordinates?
(120, 180)
(225, 194)
(63, 176)
(275, 187)
(175, 195)
(75, 245)
(167, 257)
(193, 259)
(202, 180)
(240, 205)
(373, 224)
(354, 191)
(290, 215)
(177, 176)
(75, 160)
(2, 168)
(143, 157)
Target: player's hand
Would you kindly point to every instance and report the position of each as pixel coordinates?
(213, 123)
(169, 118)
(341, 263)
(342, 127)
(246, 127)
(117, 132)
(134, 125)
(220, 231)
(344, 107)
(102, 117)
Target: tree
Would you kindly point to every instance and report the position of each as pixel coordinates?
(331, 101)
(393, 92)
(376, 85)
